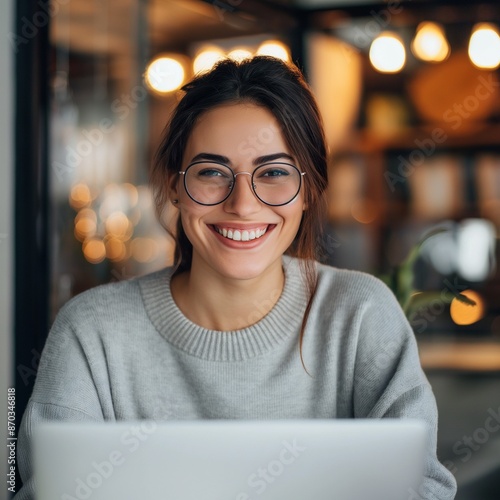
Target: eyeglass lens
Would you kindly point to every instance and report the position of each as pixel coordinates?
(210, 183)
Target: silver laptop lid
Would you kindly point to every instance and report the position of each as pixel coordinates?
(230, 460)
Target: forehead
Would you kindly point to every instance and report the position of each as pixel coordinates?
(239, 131)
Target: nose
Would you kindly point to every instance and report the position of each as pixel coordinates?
(242, 200)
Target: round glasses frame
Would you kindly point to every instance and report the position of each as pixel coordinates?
(252, 184)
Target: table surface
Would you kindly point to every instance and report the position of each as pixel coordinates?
(480, 356)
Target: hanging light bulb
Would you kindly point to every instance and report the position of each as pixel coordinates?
(275, 49)
(387, 53)
(484, 46)
(430, 42)
(239, 54)
(207, 58)
(164, 75)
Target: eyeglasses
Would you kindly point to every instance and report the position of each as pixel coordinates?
(210, 183)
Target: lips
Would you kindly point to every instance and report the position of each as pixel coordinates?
(240, 234)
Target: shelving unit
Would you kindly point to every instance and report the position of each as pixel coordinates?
(404, 161)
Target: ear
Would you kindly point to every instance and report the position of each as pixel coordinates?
(172, 188)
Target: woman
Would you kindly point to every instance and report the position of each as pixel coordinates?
(237, 329)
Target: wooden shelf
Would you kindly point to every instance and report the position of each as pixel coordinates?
(479, 136)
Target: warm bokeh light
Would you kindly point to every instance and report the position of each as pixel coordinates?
(484, 46)
(106, 225)
(430, 42)
(115, 249)
(94, 250)
(80, 196)
(144, 249)
(86, 213)
(387, 53)
(364, 211)
(85, 227)
(118, 225)
(239, 54)
(207, 58)
(111, 199)
(464, 314)
(274, 48)
(164, 74)
(133, 194)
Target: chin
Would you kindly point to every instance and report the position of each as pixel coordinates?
(246, 269)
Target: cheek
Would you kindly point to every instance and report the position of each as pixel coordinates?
(187, 227)
(292, 214)
(188, 217)
(191, 215)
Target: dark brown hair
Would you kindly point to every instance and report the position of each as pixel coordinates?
(280, 88)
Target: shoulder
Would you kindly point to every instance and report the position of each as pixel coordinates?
(110, 299)
(358, 307)
(343, 295)
(354, 287)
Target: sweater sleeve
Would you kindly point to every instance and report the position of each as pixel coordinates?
(64, 391)
(390, 383)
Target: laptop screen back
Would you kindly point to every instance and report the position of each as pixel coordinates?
(230, 460)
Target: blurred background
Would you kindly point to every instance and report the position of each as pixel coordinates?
(409, 93)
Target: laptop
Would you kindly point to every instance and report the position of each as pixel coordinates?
(230, 460)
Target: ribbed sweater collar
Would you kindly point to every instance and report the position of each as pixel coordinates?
(280, 324)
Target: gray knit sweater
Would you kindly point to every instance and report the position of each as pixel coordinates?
(124, 351)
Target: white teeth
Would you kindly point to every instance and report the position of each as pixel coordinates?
(242, 235)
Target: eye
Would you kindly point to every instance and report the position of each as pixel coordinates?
(210, 172)
(273, 172)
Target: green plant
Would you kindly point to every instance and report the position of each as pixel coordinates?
(400, 281)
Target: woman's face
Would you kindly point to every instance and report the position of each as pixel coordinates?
(246, 136)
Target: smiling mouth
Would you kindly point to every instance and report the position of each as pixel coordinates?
(241, 234)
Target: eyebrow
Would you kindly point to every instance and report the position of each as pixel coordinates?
(256, 161)
(210, 157)
(269, 158)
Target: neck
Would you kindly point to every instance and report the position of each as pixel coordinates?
(226, 304)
